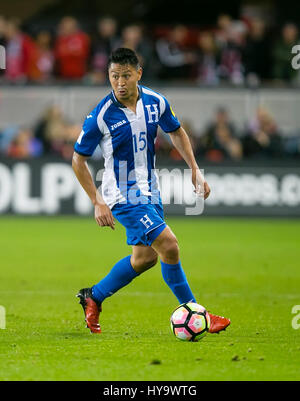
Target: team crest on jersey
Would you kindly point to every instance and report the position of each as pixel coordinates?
(153, 113)
(118, 124)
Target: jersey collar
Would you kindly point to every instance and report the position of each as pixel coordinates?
(119, 104)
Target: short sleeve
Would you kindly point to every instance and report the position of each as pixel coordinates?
(168, 121)
(90, 136)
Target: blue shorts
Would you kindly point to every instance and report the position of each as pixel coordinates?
(143, 222)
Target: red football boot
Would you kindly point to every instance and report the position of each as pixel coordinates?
(218, 323)
(91, 309)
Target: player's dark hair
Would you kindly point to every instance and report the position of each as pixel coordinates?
(124, 56)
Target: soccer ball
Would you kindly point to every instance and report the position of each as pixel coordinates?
(190, 322)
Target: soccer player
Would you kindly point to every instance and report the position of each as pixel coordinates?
(125, 125)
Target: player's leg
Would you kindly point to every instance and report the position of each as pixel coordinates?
(143, 258)
(128, 268)
(166, 246)
(123, 272)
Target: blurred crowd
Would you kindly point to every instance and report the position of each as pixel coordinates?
(261, 138)
(221, 140)
(52, 135)
(238, 52)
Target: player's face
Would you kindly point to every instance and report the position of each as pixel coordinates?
(124, 79)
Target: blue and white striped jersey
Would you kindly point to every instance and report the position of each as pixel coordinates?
(127, 142)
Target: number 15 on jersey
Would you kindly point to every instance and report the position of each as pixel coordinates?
(139, 141)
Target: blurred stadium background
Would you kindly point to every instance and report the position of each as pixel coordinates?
(226, 71)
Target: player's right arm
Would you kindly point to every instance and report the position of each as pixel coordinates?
(85, 146)
(103, 215)
(170, 124)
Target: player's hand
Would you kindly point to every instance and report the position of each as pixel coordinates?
(206, 190)
(103, 216)
(201, 186)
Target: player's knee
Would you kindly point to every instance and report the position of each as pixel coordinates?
(144, 263)
(150, 262)
(171, 249)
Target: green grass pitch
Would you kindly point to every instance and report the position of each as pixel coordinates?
(245, 269)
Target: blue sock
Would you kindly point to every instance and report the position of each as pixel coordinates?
(120, 275)
(175, 278)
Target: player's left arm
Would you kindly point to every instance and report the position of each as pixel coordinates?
(182, 143)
